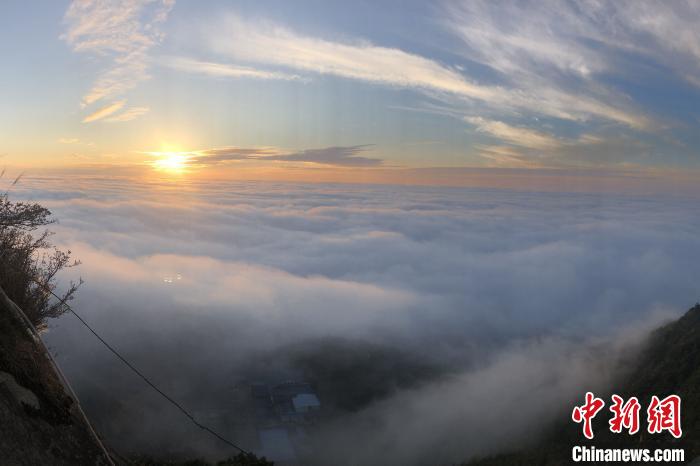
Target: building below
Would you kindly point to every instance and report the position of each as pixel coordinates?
(284, 414)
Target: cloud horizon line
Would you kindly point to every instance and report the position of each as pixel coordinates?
(339, 156)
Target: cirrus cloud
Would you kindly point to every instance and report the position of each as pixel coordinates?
(224, 70)
(272, 44)
(104, 111)
(120, 34)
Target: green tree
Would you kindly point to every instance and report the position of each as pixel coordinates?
(29, 263)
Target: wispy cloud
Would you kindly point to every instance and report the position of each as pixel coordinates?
(224, 70)
(585, 151)
(268, 43)
(129, 114)
(666, 31)
(340, 156)
(507, 156)
(514, 135)
(104, 111)
(565, 52)
(498, 36)
(273, 44)
(74, 142)
(120, 33)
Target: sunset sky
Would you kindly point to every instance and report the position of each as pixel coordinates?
(501, 196)
(353, 91)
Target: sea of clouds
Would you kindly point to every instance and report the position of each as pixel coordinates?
(524, 300)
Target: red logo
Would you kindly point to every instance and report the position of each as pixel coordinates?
(665, 415)
(662, 415)
(625, 415)
(587, 412)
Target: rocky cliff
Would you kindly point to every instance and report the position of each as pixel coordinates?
(41, 422)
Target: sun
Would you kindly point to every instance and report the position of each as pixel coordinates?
(174, 162)
(171, 159)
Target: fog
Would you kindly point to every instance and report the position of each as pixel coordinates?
(490, 300)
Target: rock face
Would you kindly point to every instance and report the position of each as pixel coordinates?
(41, 422)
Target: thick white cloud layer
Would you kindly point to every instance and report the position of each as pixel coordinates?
(194, 281)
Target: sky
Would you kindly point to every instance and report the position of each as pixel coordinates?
(399, 92)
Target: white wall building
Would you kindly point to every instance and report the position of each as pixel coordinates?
(305, 402)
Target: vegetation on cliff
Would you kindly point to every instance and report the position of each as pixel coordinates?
(29, 262)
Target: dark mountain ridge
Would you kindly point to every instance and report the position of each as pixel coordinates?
(668, 364)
